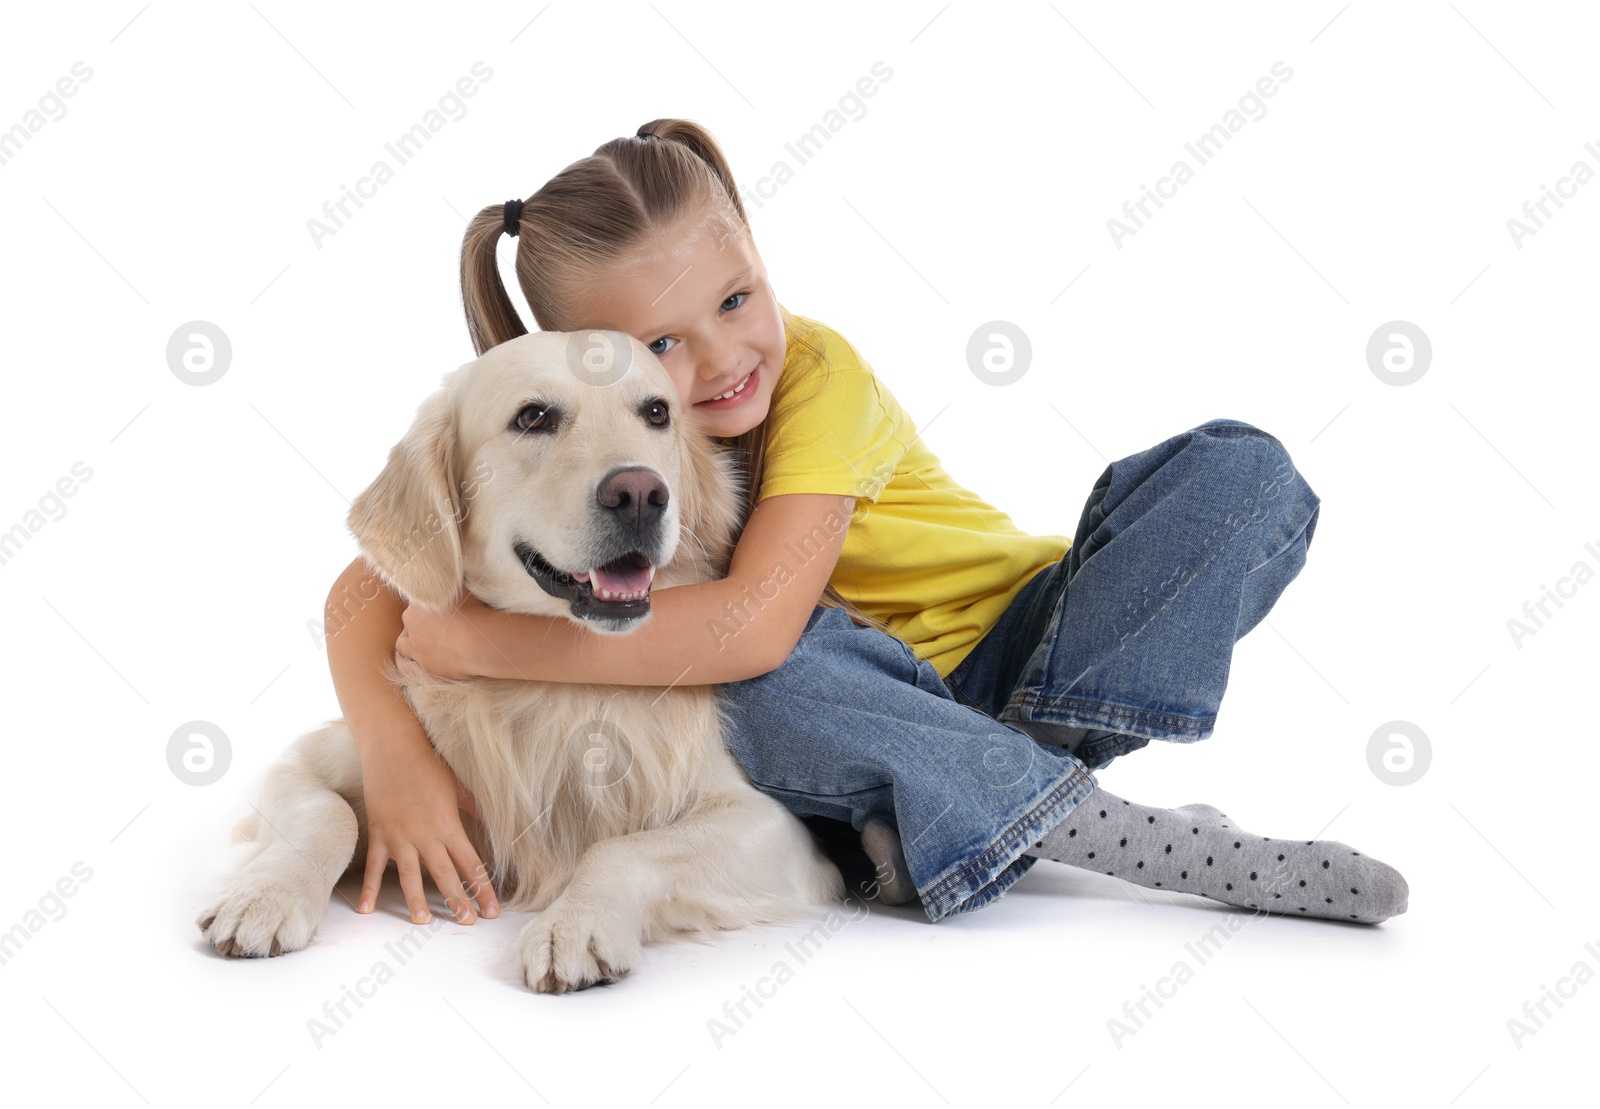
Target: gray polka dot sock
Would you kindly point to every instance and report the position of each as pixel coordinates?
(1197, 849)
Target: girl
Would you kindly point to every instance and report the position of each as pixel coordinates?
(894, 653)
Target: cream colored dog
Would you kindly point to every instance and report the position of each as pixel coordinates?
(556, 475)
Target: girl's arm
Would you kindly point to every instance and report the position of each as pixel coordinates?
(722, 631)
(412, 796)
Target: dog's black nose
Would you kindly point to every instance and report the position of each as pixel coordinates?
(637, 496)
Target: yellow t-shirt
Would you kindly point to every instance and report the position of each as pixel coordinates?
(928, 557)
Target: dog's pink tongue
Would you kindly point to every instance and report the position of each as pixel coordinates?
(622, 579)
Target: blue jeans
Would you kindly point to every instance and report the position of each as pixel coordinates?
(1180, 550)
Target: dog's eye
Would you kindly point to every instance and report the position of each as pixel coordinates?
(534, 417)
(657, 413)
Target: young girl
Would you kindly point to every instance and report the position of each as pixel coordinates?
(894, 653)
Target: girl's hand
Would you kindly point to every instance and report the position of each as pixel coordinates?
(412, 800)
(450, 642)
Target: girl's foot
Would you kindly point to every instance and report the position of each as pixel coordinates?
(1197, 849)
(881, 842)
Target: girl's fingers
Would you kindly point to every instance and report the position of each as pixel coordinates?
(444, 876)
(377, 859)
(477, 878)
(411, 885)
(456, 869)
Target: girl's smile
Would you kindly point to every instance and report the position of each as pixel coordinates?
(736, 396)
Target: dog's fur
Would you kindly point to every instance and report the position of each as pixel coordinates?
(614, 812)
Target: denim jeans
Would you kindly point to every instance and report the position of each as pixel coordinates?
(1180, 550)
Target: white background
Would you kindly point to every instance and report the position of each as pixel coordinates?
(179, 584)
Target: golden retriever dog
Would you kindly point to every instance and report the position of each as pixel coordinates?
(548, 480)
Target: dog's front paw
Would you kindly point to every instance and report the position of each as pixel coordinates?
(572, 949)
(264, 913)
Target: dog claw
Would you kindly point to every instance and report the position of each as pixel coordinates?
(231, 948)
(550, 983)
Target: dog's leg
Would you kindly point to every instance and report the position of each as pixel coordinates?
(305, 835)
(739, 859)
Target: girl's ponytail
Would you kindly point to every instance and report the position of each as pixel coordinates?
(688, 133)
(597, 212)
(491, 317)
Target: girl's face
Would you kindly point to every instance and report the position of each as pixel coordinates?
(706, 311)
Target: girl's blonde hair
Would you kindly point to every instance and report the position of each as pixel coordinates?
(617, 204)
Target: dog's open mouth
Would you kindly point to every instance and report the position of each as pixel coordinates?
(620, 588)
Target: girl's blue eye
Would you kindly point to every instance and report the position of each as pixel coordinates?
(658, 351)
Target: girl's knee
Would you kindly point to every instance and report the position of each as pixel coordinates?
(1240, 431)
(1253, 454)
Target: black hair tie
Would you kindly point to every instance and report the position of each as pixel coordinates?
(513, 217)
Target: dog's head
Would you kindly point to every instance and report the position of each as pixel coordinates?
(557, 475)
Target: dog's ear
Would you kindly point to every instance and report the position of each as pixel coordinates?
(408, 520)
